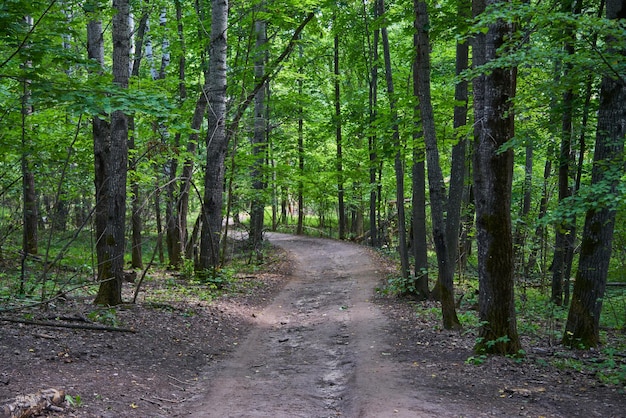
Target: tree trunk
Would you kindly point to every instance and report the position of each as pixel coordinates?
(215, 141)
(398, 163)
(583, 320)
(136, 212)
(419, 243)
(459, 150)
(437, 187)
(564, 236)
(372, 142)
(259, 140)
(111, 170)
(300, 223)
(30, 213)
(493, 173)
(339, 162)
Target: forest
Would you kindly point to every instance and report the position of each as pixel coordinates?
(479, 144)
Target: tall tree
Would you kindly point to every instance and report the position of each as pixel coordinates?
(300, 222)
(372, 138)
(338, 136)
(215, 140)
(564, 234)
(182, 207)
(111, 156)
(493, 173)
(398, 161)
(30, 215)
(259, 138)
(583, 320)
(437, 188)
(136, 212)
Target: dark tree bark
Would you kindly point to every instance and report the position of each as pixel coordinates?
(493, 172)
(419, 242)
(372, 141)
(215, 141)
(437, 187)
(419, 245)
(111, 169)
(583, 320)
(259, 140)
(30, 214)
(135, 201)
(300, 222)
(175, 236)
(398, 163)
(339, 141)
(564, 235)
(459, 167)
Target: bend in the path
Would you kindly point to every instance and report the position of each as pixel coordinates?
(319, 349)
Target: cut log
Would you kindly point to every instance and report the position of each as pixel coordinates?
(25, 406)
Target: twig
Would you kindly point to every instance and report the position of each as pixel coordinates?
(179, 381)
(168, 400)
(73, 326)
(178, 387)
(150, 401)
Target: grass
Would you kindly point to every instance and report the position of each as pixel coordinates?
(541, 323)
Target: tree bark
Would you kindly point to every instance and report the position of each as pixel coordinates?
(493, 173)
(419, 243)
(339, 140)
(111, 169)
(136, 212)
(583, 320)
(372, 140)
(215, 141)
(564, 235)
(398, 162)
(259, 140)
(459, 150)
(300, 222)
(30, 213)
(437, 187)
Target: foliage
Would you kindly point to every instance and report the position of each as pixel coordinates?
(106, 316)
(66, 91)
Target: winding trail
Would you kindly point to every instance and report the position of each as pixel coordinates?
(319, 349)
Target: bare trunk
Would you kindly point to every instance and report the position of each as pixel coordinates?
(215, 141)
(259, 141)
(300, 224)
(29, 212)
(493, 173)
(136, 212)
(398, 162)
(111, 170)
(339, 141)
(372, 142)
(583, 321)
(435, 177)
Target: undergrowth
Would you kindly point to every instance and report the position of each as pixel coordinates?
(540, 324)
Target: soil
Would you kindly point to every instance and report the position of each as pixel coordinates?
(308, 336)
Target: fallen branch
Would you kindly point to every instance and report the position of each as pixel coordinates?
(73, 326)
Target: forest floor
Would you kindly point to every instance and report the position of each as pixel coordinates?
(305, 336)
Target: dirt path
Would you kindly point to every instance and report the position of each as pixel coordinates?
(308, 336)
(320, 349)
